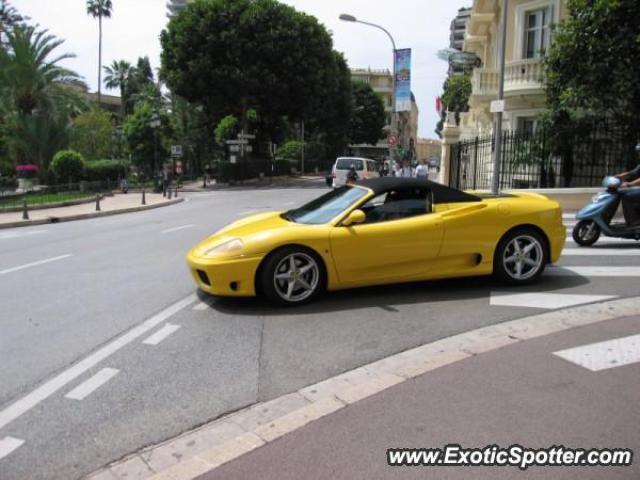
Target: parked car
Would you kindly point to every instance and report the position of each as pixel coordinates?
(380, 231)
(365, 168)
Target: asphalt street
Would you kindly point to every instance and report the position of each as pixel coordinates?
(106, 346)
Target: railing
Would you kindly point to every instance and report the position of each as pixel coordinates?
(519, 76)
(573, 157)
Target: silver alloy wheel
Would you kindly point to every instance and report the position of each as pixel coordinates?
(296, 277)
(523, 257)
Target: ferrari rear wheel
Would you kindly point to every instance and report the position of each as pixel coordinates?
(586, 233)
(292, 276)
(520, 257)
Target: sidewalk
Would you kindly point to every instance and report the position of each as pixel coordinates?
(119, 203)
(498, 385)
(254, 182)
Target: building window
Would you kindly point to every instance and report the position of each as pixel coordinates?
(537, 32)
(526, 125)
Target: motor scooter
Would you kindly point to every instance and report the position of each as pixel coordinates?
(595, 219)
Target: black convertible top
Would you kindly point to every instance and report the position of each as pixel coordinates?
(441, 193)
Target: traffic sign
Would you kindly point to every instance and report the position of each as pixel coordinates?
(392, 139)
(176, 150)
(246, 135)
(242, 141)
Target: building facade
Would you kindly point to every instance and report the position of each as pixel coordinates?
(529, 34)
(175, 6)
(381, 81)
(456, 38)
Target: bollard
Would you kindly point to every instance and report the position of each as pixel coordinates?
(97, 202)
(169, 193)
(25, 211)
(175, 194)
(144, 200)
(164, 190)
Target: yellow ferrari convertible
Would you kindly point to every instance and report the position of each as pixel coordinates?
(380, 231)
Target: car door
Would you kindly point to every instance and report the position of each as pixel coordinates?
(392, 248)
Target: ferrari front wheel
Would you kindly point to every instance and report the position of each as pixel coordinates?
(520, 257)
(292, 276)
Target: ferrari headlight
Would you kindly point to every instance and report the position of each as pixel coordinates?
(230, 246)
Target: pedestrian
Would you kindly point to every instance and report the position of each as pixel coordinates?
(124, 184)
(422, 171)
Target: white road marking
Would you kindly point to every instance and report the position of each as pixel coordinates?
(47, 389)
(33, 264)
(603, 239)
(608, 252)
(8, 445)
(593, 271)
(604, 355)
(86, 388)
(8, 235)
(175, 229)
(569, 215)
(543, 300)
(201, 306)
(161, 334)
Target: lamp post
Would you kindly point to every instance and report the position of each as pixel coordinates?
(497, 158)
(154, 123)
(350, 18)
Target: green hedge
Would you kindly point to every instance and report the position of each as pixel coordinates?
(100, 170)
(67, 166)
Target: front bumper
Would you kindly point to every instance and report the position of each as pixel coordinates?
(225, 277)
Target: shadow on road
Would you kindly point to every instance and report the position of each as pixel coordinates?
(386, 297)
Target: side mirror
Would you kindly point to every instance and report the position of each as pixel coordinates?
(357, 216)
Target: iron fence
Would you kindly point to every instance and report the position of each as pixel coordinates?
(575, 157)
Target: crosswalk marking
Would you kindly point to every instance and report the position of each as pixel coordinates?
(543, 300)
(605, 252)
(593, 271)
(609, 240)
(604, 355)
(201, 306)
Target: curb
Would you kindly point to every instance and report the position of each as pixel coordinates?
(45, 206)
(203, 449)
(84, 216)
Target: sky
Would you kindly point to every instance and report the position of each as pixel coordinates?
(135, 26)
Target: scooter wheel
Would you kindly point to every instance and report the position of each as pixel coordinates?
(586, 233)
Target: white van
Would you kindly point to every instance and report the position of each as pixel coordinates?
(365, 167)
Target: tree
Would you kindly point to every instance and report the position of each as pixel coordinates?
(227, 129)
(98, 9)
(140, 83)
(37, 95)
(455, 97)
(9, 18)
(593, 65)
(368, 115)
(67, 166)
(117, 76)
(231, 55)
(91, 134)
(147, 144)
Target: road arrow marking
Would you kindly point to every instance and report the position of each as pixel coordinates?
(604, 355)
(543, 300)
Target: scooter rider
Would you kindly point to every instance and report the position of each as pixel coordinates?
(630, 192)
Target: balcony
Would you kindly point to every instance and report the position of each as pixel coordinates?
(520, 78)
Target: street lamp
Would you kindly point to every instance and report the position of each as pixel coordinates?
(155, 123)
(350, 18)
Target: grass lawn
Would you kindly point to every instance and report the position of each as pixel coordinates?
(43, 199)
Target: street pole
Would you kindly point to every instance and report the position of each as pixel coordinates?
(302, 166)
(394, 124)
(497, 158)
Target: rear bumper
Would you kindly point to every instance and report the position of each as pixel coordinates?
(225, 277)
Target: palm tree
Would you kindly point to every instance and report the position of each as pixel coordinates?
(98, 9)
(117, 76)
(38, 95)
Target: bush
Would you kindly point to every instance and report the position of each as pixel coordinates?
(67, 166)
(101, 170)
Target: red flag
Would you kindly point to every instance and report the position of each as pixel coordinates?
(438, 105)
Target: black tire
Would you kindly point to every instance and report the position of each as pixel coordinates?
(586, 233)
(533, 249)
(307, 284)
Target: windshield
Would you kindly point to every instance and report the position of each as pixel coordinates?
(345, 164)
(324, 208)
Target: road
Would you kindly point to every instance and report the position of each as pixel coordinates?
(106, 346)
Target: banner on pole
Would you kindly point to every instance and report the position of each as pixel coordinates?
(403, 80)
